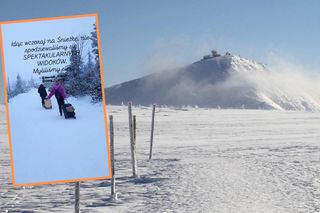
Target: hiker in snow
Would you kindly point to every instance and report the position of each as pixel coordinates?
(59, 91)
(43, 93)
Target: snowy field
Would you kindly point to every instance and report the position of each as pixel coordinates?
(47, 147)
(204, 161)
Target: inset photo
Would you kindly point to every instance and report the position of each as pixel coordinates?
(55, 101)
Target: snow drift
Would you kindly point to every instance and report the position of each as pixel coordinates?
(47, 147)
(243, 161)
(223, 81)
(2, 108)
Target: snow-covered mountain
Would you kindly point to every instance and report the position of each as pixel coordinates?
(218, 81)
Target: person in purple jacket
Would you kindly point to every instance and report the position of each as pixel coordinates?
(60, 94)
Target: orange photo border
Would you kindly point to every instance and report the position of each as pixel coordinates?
(103, 101)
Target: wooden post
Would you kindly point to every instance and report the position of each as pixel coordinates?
(152, 128)
(77, 198)
(134, 129)
(132, 144)
(113, 183)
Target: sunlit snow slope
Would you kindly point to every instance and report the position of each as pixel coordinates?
(204, 160)
(46, 147)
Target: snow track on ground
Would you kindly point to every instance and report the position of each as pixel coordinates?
(46, 146)
(204, 161)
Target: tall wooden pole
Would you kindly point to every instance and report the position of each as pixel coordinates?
(113, 183)
(77, 198)
(132, 144)
(152, 128)
(134, 129)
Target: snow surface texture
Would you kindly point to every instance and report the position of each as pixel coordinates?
(204, 160)
(47, 147)
(1, 88)
(224, 82)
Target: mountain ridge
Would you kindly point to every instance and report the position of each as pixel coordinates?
(215, 81)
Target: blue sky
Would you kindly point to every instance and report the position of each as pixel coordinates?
(142, 36)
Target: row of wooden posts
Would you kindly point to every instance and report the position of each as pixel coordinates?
(132, 131)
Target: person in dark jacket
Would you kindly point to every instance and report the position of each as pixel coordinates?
(43, 93)
(59, 91)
